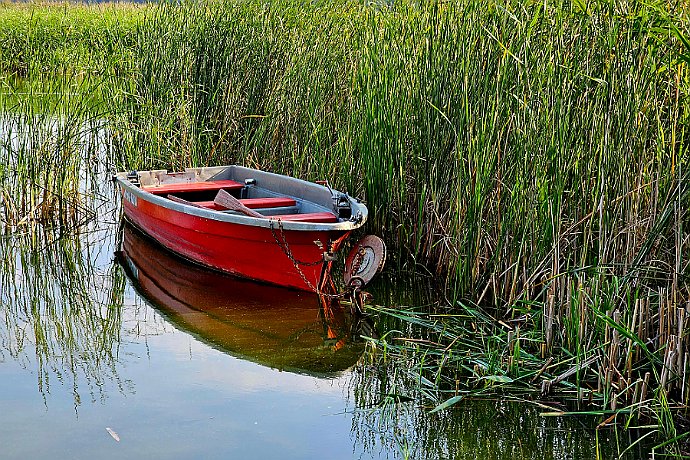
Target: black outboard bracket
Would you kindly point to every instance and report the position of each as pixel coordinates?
(342, 205)
(248, 183)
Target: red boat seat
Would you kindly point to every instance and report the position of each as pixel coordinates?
(179, 187)
(317, 217)
(278, 202)
(324, 217)
(252, 203)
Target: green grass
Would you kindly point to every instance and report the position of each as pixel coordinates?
(84, 39)
(530, 144)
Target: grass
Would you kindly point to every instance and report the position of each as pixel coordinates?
(532, 156)
(471, 154)
(44, 147)
(87, 39)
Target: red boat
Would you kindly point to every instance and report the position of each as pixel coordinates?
(253, 224)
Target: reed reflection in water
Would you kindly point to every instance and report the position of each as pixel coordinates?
(388, 418)
(60, 293)
(54, 317)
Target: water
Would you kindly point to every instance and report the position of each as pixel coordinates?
(112, 348)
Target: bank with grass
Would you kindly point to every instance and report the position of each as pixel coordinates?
(531, 156)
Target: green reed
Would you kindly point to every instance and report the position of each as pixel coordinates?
(39, 38)
(482, 151)
(42, 153)
(53, 62)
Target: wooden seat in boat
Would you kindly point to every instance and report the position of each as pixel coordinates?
(316, 217)
(179, 187)
(252, 203)
(257, 203)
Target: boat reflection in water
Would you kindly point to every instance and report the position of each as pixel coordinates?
(272, 326)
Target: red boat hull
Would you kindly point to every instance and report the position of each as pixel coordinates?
(256, 253)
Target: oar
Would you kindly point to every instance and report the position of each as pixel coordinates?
(177, 199)
(228, 201)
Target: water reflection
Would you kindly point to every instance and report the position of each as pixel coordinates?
(276, 327)
(53, 321)
(390, 416)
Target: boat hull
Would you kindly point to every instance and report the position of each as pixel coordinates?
(289, 254)
(275, 255)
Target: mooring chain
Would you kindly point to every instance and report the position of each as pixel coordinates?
(286, 249)
(283, 244)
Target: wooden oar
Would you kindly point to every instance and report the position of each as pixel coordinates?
(177, 199)
(226, 200)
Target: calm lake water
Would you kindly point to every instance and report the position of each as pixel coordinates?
(112, 348)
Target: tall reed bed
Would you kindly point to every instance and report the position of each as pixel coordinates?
(39, 39)
(46, 147)
(532, 155)
(501, 145)
(56, 62)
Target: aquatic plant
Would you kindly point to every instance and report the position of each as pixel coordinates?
(499, 155)
(42, 39)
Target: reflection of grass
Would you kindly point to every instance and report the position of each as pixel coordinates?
(60, 314)
(389, 414)
(59, 311)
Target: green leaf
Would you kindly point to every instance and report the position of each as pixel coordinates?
(447, 403)
(497, 378)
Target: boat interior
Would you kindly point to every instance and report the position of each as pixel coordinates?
(246, 191)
